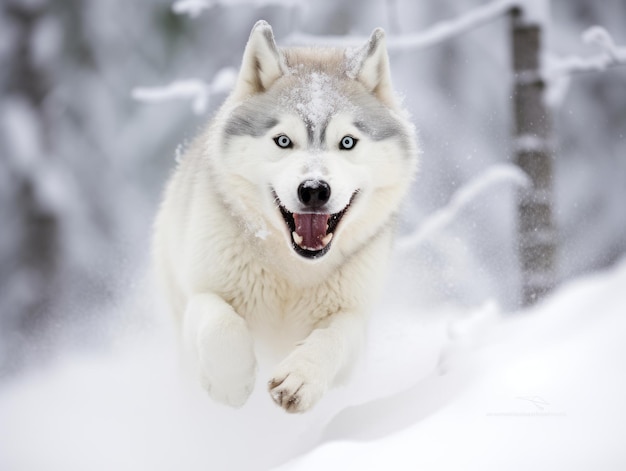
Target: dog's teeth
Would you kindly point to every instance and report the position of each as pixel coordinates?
(326, 240)
(296, 238)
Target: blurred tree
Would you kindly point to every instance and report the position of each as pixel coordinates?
(29, 271)
(533, 147)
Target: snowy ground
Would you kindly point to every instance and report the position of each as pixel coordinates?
(543, 389)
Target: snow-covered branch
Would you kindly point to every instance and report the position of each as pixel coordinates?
(436, 34)
(500, 173)
(445, 30)
(600, 37)
(193, 8)
(611, 55)
(195, 90)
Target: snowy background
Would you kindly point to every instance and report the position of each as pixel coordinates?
(455, 376)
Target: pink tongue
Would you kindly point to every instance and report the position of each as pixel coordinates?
(312, 229)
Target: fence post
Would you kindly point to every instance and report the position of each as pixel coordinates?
(533, 149)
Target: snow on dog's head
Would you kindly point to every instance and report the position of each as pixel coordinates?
(316, 143)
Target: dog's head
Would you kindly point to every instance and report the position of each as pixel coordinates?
(315, 144)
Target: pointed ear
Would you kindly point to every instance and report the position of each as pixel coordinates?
(262, 62)
(373, 69)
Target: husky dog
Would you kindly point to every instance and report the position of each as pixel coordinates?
(276, 226)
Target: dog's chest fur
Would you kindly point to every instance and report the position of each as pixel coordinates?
(277, 293)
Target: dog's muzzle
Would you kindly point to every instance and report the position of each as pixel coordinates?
(312, 230)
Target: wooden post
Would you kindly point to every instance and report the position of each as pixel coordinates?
(533, 149)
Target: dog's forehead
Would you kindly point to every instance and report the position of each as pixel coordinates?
(316, 88)
(315, 96)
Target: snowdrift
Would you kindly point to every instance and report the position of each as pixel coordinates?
(445, 389)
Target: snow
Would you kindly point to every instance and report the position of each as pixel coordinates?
(612, 55)
(531, 143)
(20, 130)
(56, 191)
(441, 385)
(131, 407)
(536, 12)
(316, 99)
(558, 70)
(448, 29)
(193, 8)
(195, 90)
(224, 80)
(436, 222)
(545, 391)
(262, 234)
(438, 390)
(599, 36)
(433, 35)
(47, 42)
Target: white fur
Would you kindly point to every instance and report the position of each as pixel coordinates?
(224, 252)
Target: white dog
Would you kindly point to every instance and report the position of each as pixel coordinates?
(276, 227)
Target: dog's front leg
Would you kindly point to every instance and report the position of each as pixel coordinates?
(221, 347)
(329, 351)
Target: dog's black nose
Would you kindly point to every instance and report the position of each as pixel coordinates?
(314, 193)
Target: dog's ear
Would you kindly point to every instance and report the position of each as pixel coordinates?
(262, 62)
(372, 69)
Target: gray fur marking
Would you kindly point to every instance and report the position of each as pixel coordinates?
(383, 128)
(376, 121)
(269, 37)
(249, 121)
(316, 134)
(310, 132)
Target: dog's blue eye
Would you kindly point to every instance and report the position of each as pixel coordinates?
(283, 141)
(347, 143)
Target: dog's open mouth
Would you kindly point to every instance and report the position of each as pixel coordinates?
(312, 233)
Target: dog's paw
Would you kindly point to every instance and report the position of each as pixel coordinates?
(231, 391)
(227, 366)
(296, 389)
